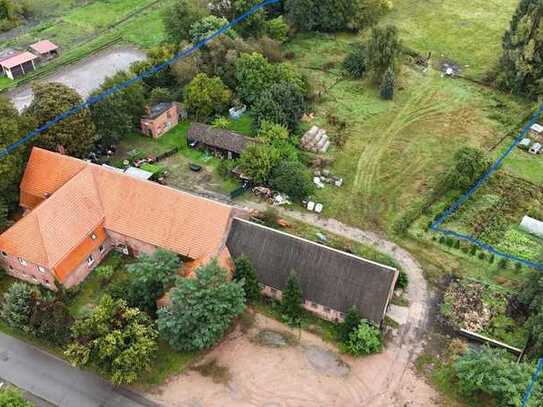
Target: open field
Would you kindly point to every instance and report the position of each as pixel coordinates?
(468, 32)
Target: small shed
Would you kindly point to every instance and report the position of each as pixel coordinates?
(531, 225)
(535, 148)
(525, 143)
(18, 64)
(536, 129)
(222, 142)
(44, 49)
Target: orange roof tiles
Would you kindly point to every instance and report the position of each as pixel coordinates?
(45, 173)
(88, 196)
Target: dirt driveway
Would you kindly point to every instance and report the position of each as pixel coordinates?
(279, 371)
(85, 75)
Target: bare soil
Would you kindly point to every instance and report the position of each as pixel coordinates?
(308, 372)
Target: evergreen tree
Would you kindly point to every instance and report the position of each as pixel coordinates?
(519, 69)
(388, 85)
(291, 303)
(244, 271)
(18, 306)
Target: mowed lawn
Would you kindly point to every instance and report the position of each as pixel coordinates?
(395, 150)
(468, 32)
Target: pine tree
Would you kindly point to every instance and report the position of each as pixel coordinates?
(245, 271)
(291, 303)
(388, 85)
(519, 69)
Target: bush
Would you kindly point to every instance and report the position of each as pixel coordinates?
(221, 122)
(366, 339)
(293, 179)
(245, 272)
(482, 255)
(226, 167)
(356, 61)
(349, 324)
(388, 85)
(473, 250)
(104, 274)
(503, 263)
(270, 217)
(12, 397)
(403, 280)
(52, 321)
(277, 29)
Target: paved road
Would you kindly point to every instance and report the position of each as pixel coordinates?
(53, 380)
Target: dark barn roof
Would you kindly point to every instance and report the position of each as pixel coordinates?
(218, 138)
(158, 109)
(328, 277)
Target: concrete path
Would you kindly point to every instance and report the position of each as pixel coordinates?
(56, 382)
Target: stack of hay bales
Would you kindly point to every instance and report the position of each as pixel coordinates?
(315, 140)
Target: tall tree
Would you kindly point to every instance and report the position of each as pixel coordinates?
(245, 272)
(150, 276)
(293, 179)
(519, 68)
(76, 134)
(179, 18)
(469, 164)
(282, 103)
(12, 128)
(120, 341)
(291, 301)
(205, 96)
(383, 50)
(18, 306)
(120, 113)
(201, 309)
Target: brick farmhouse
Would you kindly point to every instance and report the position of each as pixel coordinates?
(161, 118)
(77, 212)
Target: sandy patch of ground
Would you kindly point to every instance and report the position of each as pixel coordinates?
(274, 371)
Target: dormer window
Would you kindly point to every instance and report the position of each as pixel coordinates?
(90, 260)
(4, 254)
(22, 261)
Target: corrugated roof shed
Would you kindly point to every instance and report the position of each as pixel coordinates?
(329, 277)
(532, 226)
(218, 138)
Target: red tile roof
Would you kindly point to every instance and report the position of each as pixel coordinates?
(18, 59)
(43, 47)
(88, 196)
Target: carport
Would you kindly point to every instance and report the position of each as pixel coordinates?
(18, 65)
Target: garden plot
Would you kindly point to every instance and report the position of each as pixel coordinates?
(483, 309)
(493, 215)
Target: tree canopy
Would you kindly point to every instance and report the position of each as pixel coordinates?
(384, 47)
(281, 103)
(75, 134)
(120, 341)
(469, 164)
(12, 128)
(178, 18)
(205, 96)
(519, 68)
(18, 306)
(293, 179)
(201, 309)
(245, 272)
(291, 301)
(119, 113)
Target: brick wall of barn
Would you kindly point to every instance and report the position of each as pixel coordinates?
(27, 271)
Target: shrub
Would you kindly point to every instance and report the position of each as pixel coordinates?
(277, 29)
(51, 321)
(482, 255)
(206, 26)
(503, 263)
(491, 258)
(356, 61)
(349, 324)
(270, 217)
(403, 280)
(293, 179)
(221, 122)
(366, 339)
(442, 239)
(226, 167)
(518, 266)
(449, 242)
(457, 244)
(473, 250)
(104, 274)
(12, 397)
(388, 85)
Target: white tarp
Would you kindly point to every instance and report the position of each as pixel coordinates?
(138, 173)
(531, 225)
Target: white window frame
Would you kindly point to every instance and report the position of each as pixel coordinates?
(94, 237)
(41, 269)
(22, 261)
(4, 254)
(90, 260)
(101, 249)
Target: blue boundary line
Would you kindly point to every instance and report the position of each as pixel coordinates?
(533, 381)
(436, 225)
(117, 88)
